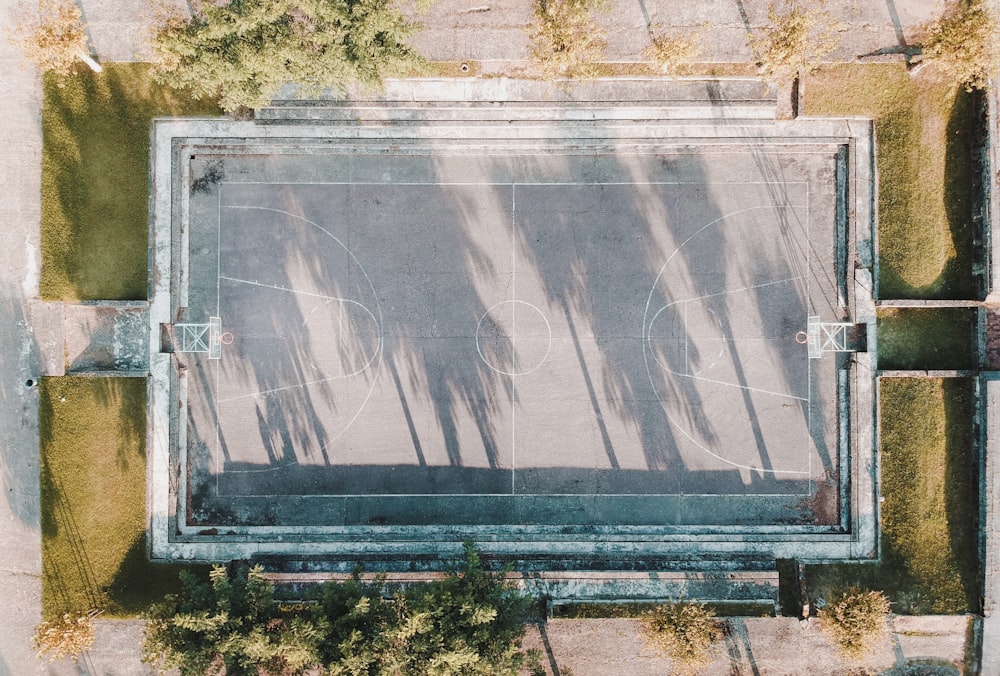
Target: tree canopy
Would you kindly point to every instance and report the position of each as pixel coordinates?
(470, 622)
(244, 50)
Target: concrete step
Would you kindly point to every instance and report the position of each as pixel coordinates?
(393, 113)
(612, 586)
(490, 100)
(608, 90)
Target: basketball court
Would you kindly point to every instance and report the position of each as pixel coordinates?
(505, 343)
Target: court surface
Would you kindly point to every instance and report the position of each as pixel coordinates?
(515, 339)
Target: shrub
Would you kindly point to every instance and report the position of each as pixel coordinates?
(672, 52)
(67, 636)
(54, 40)
(963, 44)
(795, 42)
(685, 632)
(565, 39)
(856, 621)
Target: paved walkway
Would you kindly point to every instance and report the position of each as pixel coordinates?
(20, 546)
(490, 31)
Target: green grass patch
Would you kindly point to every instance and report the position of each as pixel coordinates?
(95, 180)
(929, 480)
(928, 132)
(926, 338)
(93, 498)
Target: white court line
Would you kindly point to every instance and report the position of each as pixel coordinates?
(687, 365)
(382, 496)
(513, 341)
(295, 291)
(378, 324)
(498, 183)
(647, 348)
(809, 365)
(219, 464)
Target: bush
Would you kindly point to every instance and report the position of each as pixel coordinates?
(856, 622)
(672, 52)
(54, 40)
(685, 632)
(795, 42)
(67, 636)
(565, 39)
(963, 44)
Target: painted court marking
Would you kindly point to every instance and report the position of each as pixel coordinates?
(376, 354)
(515, 369)
(649, 352)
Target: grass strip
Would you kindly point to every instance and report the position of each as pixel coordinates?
(926, 338)
(928, 133)
(95, 180)
(930, 511)
(93, 498)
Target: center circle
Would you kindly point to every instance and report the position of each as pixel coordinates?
(513, 338)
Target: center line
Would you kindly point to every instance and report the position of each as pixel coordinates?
(513, 334)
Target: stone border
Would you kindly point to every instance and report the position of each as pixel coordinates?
(432, 546)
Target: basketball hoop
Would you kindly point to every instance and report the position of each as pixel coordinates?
(226, 338)
(802, 337)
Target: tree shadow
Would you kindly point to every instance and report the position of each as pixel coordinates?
(138, 583)
(95, 179)
(962, 483)
(966, 181)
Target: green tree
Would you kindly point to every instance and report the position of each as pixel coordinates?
(964, 44)
(244, 50)
(856, 621)
(470, 622)
(231, 622)
(685, 631)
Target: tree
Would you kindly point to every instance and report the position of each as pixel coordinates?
(856, 621)
(471, 622)
(964, 44)
(231, 622)
(795, 41)
(66, 636)
(54, 40)
(685, 631)
(565, 39)
(244, 50)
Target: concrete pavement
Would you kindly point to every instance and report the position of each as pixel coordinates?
(20, 542)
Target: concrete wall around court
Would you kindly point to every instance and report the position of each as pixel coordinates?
(172, 137)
